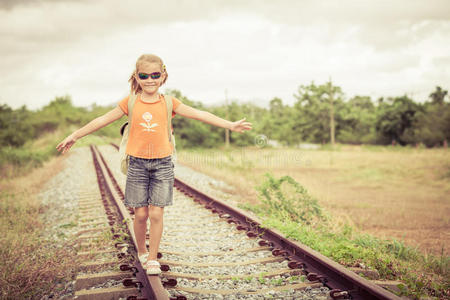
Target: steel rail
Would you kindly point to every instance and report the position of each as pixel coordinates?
(343, 282)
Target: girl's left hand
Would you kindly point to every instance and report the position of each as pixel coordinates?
(240, 126)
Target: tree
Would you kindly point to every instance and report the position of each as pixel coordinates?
(192, 133)
(357, 121)
(278, 123)
(438, 96)
(59, 112)
(330, 91)
(16, 127)
(315, 111)
(433, 123)
(396, 120)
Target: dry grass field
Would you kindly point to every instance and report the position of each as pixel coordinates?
(390, 192)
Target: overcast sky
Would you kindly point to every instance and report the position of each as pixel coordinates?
(256, 50)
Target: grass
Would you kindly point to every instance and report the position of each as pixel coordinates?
(386, 191)
(346, 191)
(391, 258)
(30, 265)
(16, 162)
(362, 196)
(19, 161)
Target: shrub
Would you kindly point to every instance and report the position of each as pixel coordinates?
(286, 198)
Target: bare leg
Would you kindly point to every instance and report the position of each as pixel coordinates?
(156, 229)
(140, 228)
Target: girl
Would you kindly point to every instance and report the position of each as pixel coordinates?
(150, 176)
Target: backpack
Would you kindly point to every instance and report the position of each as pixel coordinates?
(125, 131)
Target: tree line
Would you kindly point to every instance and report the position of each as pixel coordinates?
(320, 114)
(28, 138)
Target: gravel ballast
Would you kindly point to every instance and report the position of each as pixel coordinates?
(189, 227)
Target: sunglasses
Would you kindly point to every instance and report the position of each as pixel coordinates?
(154, 75)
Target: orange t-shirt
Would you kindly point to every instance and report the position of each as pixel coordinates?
(148, 132)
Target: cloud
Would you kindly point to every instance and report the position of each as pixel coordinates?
(257, 50)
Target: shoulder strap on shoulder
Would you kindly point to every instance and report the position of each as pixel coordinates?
(131, 101)
(169, 106)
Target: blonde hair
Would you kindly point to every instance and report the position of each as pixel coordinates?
(146, 58)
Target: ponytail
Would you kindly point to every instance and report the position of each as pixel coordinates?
(135, 87)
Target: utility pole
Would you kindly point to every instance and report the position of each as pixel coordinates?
(330, 93)
(227, 131)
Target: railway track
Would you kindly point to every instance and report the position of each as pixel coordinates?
(209, 250)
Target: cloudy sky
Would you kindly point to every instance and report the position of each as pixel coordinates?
(256, 50)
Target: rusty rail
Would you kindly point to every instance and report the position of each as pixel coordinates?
(343, 283)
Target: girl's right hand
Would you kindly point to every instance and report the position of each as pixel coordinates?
(65, 145)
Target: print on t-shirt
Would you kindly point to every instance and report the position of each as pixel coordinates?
(147, 118)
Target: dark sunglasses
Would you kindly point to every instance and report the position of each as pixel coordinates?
(154, 75)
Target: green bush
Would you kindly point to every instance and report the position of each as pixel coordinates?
(287, 199)
(16, 126)
(287, 207)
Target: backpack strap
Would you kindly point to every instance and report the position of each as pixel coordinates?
(131, 101)
(169, 106)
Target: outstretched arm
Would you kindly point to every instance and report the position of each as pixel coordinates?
(207, 117)
(90, 127)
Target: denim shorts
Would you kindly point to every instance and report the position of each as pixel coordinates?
(149, 182)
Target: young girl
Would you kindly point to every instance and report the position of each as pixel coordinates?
(150, 176)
